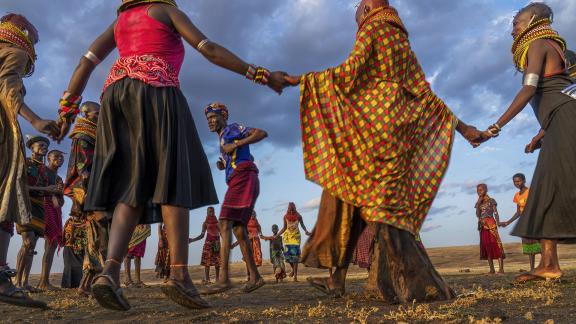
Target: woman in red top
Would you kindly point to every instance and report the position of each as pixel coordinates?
(148, 153)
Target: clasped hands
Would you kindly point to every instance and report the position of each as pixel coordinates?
(279, 80)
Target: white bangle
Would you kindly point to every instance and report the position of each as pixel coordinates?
(531, 79)
(92, 58)
(202, 44)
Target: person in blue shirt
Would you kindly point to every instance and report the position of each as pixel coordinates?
(243, 190)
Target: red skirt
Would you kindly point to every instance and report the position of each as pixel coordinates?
(53, 221)
(243, 190)
(137, 251)
(490, 243)
(211, 253)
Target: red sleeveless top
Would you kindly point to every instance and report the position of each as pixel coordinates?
(149, 50)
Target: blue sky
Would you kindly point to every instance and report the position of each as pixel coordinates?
(464, 47)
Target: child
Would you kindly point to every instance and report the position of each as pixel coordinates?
(277, 254)
(529, 247)
(488, 219)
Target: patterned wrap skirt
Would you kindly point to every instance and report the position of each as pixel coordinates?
(211, 253)
(292, 254)
(242, 193)
(490, 243)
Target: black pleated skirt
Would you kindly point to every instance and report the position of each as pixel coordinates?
(549, 211)
(148, 152)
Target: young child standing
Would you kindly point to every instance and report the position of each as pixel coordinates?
(277, 254)
(529, 247)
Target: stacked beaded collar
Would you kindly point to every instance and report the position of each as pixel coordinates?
(540, 29)
(11, 34)
(126, 4)
(84, 126)
(387, 14)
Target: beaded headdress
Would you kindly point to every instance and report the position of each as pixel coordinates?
(18, 31)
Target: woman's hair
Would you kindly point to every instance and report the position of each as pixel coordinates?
(520, 176)
(482, 185)
(539, 10)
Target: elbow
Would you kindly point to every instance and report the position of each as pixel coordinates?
(529, 92)
(263, 134)
(210, 52)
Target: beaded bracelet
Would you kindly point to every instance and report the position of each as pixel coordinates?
(258, 74)
(69, 107)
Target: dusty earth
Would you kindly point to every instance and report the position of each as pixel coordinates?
(483, 298)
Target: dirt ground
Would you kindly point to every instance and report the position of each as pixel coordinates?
(483, 298)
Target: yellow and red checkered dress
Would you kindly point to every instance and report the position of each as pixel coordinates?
(374, 134)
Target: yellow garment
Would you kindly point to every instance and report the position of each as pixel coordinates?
(520, 199)
(374, 134)
(292, 234)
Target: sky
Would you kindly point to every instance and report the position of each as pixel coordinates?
(464, 47)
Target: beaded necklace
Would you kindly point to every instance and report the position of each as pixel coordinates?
(131, 3)
(84, 127)
(540, 29)
(11, 34)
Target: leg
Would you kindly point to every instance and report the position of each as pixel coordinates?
(291, 274)
(29, 240)
(137, 268)
(123, 224)
(127, 266)
(180, 287)
(549, 266)
(206, 274)
(491, 265)
(226, 236)
(295, 267)
(217, 270)
(246, 248)
(4, 245)
(47, 260)
(501, 265)
(532, 260)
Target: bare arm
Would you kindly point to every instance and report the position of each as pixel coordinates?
(255, 136)
(101, 47)
(283, 229)
(201, 236)
(213, 52)
(302, 224)
(496, 215)
(536, 59)
(515, 217)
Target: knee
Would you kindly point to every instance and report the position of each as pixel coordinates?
(240, 233)
(29, 245)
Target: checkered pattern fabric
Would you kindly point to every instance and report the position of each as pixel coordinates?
(374, 134)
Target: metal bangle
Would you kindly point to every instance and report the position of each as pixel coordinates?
(202, 44)
(531, 79)
(92, 58)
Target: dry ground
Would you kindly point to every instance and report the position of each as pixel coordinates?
(484, 299)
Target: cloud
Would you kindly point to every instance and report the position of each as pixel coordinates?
(430, 227)
(311, 205)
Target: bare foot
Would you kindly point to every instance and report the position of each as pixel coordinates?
(547, 273)
(47, 287)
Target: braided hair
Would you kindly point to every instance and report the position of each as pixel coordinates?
(22, 23)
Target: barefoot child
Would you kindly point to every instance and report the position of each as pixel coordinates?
(529, 247)
(211, 249)
(488, 219)
(276, 254)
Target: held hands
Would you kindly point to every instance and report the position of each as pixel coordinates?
(472, 135)
(277, 81)
(64, 128)
(293, 80)
(48, 127)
